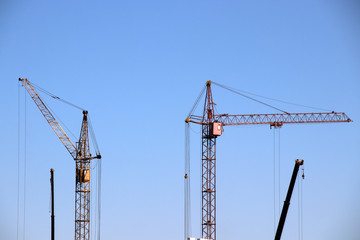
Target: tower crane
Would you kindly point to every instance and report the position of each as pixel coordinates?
(82, 157)
(211, 127)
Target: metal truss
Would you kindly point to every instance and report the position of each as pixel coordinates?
(82, 200)
(276, 119)
(82, 187)
(208, 183)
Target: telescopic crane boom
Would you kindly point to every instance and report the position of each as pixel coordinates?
(212, 125)
(285, 209)
(81, 155)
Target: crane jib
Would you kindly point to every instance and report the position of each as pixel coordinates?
(50, 118)
(276, 119)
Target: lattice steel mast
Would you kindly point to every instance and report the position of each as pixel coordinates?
(212, 124)
(208, 160)
(82, 185)
(82, 156)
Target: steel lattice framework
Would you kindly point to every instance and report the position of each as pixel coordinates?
(208, 183)
(81, 155)
(208, 170)
(276, 119)
(82, 184)
(209, 121)
(49, 117)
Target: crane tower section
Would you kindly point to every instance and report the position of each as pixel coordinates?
(82, 184)
(208, 168)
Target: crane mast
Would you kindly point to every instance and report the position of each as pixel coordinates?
(82, 156)
(208, 168)
(211, 126)
(82, 183)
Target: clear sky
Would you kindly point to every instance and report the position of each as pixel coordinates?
(138, 66)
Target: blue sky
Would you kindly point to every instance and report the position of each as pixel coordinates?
(138, 66)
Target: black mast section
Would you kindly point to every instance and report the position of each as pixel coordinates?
(284, 211)
(52, 205)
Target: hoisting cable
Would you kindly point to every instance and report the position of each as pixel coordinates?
(274, 99)
(93, 201)
(185, 186)
(196, 102)
(194, 131)
(299, 232)
(99, 196)
(241, 94)
(94, 204)
(300, 204)
(18, 183)
(274, 181)
(97, 200)
(97, 204)
(55, 97)
(187, 202)
(301, 193)
(22, 146)
(279, 171)
(93, 137)
(25, 138)
(276, 175)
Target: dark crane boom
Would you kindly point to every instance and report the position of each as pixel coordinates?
(52, 205)
(285, 209)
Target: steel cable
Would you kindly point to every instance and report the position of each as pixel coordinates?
(299, 232)
(99, 197)
(187, 204)
(279, 172)
(18, 183)
(59, 119)
(196, 102)
(273, 99)
(300, 205)
(55, 97)
(93, 137)
(25, 132)
(241, 94)
(274, 181)
(94, 203)
(301, 224)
